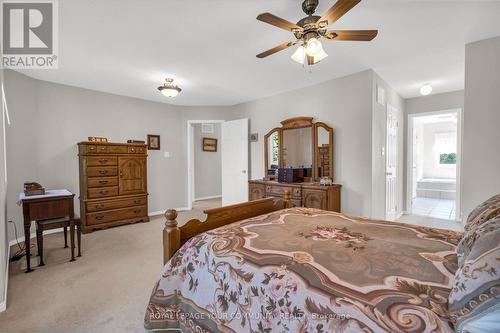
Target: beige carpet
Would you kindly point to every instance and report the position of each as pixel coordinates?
(106, 290)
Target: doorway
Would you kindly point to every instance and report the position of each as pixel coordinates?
(217, 154)
(434, 155)
(204, 166)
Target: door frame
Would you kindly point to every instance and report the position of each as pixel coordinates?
(409, 159)
(190, 157)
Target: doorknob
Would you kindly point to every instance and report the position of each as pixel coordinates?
(243, 171)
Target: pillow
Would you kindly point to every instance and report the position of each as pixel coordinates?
(470, 237)
(484, 212)
(475, 293)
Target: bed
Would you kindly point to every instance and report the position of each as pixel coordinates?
(264, 267)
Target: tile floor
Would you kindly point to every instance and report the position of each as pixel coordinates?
(432, 207)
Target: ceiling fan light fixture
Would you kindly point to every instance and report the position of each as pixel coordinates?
(169, 89)
(299, 55)
(313, 47)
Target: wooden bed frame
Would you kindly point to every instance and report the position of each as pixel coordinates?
(174, 236)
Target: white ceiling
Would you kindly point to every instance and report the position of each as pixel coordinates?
(127, 47)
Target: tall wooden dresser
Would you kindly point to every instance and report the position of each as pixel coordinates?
(113, 184)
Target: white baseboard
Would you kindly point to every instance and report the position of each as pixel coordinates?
(33, 235)
(161, 212)
(399, 215)
(208, 198)
(3, 304)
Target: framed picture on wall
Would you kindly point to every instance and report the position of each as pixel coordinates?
(153, 142)
(210, 145)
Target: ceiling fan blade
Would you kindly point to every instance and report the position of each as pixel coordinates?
(278, 22)
(276, 49)
(337, 11)
(356, 35)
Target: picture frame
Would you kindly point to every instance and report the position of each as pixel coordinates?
(153, 142)
(210, 145)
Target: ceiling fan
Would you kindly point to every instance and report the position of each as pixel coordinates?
(311, 28)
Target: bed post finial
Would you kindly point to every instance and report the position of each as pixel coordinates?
(171, 235)
(288, 199)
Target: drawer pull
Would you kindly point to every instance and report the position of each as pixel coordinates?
(103, 182)
(103, 161)
(132, 150)
(99, 206)
(137, 202)
(137, 211)
(104, 192)
(99, 217)
(103, 172)
(91, 148)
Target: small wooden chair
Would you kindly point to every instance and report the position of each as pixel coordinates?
(44, 225)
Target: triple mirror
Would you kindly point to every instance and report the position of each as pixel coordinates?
(300, 143)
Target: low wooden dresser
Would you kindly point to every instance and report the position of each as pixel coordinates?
(311, 195)
(113, 184)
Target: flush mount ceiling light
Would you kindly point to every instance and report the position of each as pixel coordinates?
(312, 28)
(169, 89)
(426, 89)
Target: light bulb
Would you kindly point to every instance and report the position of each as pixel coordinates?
(313, 47)
(299, 55)
(426, 89)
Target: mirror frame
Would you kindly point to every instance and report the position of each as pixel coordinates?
(315, 150)
(266, 148)
(300, 122)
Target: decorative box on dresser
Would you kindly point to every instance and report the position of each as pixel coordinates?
(311, 195)
(113, 184)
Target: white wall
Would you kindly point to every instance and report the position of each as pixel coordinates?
(3, 221)
(481, 135)
(345, 104)
(207, 165)
(49, 119)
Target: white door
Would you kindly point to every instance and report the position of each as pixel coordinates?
(234, 151)
(391, 190)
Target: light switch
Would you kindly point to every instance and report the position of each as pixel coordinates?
(166, 154)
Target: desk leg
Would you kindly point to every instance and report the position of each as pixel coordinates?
(27, 236)
(72, 238)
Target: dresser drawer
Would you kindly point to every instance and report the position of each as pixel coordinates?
(280, 191)
(136, 150)
(102, 181)
(101, 160)
(116, 215)
(115, 204)
(102, 171)
(117, 150)
(102, 192)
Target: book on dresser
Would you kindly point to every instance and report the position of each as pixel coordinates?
(113, 184)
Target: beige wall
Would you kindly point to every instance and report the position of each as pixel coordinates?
(49, 119)
(481, 130)
(344, 104)
(207, 165)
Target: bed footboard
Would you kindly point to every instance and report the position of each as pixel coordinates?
(174, 236)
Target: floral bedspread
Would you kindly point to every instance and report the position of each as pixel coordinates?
(308, 270)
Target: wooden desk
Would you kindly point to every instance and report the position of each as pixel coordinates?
(53, 204)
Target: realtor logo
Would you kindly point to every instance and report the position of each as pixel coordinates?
(29, 34)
